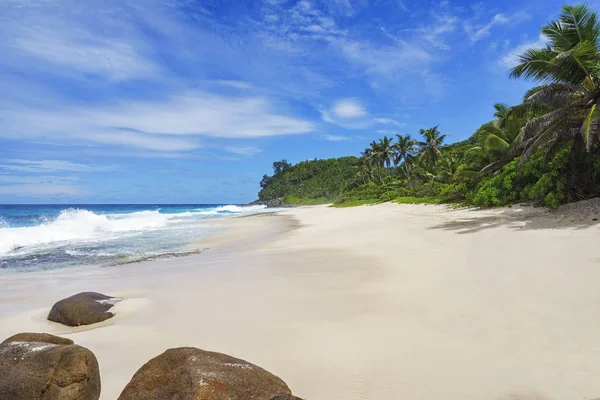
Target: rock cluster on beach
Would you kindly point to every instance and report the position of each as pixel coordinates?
(83, 309)
(38, 366)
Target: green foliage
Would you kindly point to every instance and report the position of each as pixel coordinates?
(309, 180)
(454, 193)
(291, 200)
(417, 200)
(498, 189)
(430, 189)
(377, 193)
(539, 182)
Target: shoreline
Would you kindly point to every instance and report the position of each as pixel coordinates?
(367, 302)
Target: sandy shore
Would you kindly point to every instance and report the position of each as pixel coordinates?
(380, 302)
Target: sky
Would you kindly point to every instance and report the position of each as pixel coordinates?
(182, 101)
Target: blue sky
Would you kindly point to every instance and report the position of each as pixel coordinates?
(181, 101)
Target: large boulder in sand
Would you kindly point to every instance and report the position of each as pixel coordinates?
(83, 309)
(38, 337)
(188, 373)
(38, 366)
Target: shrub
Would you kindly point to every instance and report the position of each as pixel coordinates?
(497, 189)
(454, 193)
(430, 189)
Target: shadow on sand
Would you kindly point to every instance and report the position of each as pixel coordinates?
(516, 219)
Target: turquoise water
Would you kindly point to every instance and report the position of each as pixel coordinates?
(34, 237)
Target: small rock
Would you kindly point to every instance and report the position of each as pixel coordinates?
(188, 373)
(285, 397)
(39, 366)
(83, 309)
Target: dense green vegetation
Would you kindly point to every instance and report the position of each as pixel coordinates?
(309, 182)
(543, 151)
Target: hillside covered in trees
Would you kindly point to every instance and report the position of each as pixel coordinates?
(307, 182)
(543, 151)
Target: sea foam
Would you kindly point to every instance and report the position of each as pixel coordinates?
(81, 225)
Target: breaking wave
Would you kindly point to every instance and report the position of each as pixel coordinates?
(81, 225)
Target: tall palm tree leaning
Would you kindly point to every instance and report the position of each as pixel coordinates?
(430, 147)
(495, 142)
(566, 105)
(404, 148)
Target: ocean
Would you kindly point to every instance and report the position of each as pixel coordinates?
(40, 237)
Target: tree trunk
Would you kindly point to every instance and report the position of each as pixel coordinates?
(408, 176)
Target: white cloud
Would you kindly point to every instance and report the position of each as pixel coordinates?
(116, 60)
(235, 84)
(152, 124)
(51, 166)
(247, 151)
(385, 60)
(141, 74)
(348, 108)
(436, 32)
(161, 143)
(335, 138)
(476, 33)
(75, 42)
(511, 58)
(388, 121)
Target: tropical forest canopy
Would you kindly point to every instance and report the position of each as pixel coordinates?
(544, 150)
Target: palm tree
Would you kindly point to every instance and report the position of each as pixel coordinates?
(566, 105)
(430, 148)
(495, 143)
(448, 168)
(404, 149)
(374, 153)
(385, 151)
(366, 172)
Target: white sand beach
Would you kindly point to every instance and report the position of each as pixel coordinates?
(374, 302)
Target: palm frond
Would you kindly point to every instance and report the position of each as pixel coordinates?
(589, 127)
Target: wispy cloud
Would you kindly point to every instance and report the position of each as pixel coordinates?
(149, 78)
(52, 166)
(478, 31)
(69, 43)
(348, 108)
(436, 32)
(152, 124)
(388, 121)
(385, 63)
(335, 138)
(111, 59)
(235, 84)
(382, 60)
(160, 143)
(246, 151)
